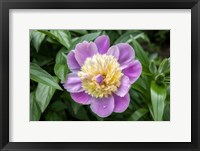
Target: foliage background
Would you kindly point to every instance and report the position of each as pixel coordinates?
(150, 94)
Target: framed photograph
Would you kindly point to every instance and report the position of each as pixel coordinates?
(83, 75)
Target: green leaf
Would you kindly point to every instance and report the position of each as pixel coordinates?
(152, 67)
(153, 56)
(43, 95)
(141, 90)
(53, 41)
(49, 34)
(63, 37)
(150, 109)
(160, 78)
(60, 68)
(138, 114)
(82, 114)
(35, 111)
(164, 66)
(64, 55)
(53, 116)
(82, 32)
(41, 76)
(75, 107)
(88, 37)
(158, 96)
(60, 58)
(76, 110)
(166, 115)
(61, 71)
(42, 61)
(140, 53)
(126, 36)
(136, 100)
(36, 39)
(58, 106)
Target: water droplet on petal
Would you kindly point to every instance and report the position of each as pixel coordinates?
(104, 106)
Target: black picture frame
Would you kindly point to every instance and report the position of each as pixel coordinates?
(5, 5)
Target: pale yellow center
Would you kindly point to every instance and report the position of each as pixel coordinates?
(105, 65)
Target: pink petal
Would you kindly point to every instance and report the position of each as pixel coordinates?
(124, 86)
(71, 62)
(73, 83)
(121, 103)
(126, 54)
(103, 107)
(81, 98)
(114, 51)
(133, 71)
(103, 43)
(84, 50)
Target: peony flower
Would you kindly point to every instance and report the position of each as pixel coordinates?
(102, 75)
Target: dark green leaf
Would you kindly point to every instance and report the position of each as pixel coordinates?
(41, 76)
(35, 111)
(82, 114)
(36, 39)
(43, 95)
(136, 101)
(138, 114)
(140, 53)
(75, 107)
(158, 96)
(88, 37)
(58, 106)
(53, 116)
(141, 90)
(42, 62)
(160, 78)
(61, 71)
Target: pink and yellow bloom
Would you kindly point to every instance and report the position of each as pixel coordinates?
(102, 75)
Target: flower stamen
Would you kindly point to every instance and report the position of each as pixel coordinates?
(100, 75)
